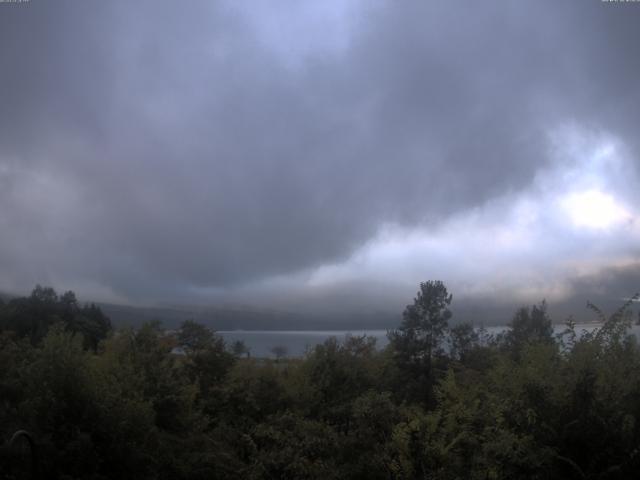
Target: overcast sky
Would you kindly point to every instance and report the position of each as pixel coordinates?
(324, 155)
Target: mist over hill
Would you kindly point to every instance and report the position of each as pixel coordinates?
(239, 318)
(251, 318)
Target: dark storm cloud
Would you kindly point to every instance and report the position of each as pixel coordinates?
(613, 284)
(151, 147)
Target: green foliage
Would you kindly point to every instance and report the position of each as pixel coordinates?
(529, 326)
(153, 404)
(194, 337)
(424, 324)
(31, 317)
(290, 447)
(335, 373)
(463, 339)
(419, 338)
(252, 393)
(206, 360)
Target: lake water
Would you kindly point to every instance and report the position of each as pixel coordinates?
(260, 342)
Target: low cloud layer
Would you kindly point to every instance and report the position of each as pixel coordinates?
(154, 151)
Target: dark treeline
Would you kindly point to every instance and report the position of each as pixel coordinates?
(439, 402)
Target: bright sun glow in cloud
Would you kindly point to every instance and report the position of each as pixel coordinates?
(530, 244)
(594, 209)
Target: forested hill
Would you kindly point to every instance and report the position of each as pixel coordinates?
(237, 317)
(477, 312)
(243, 318)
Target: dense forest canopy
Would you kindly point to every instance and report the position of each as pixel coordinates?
(441, 401)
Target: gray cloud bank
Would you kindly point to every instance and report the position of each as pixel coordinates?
(175, 151)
